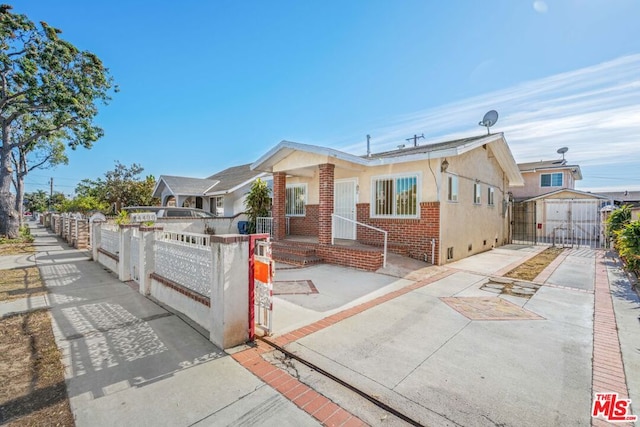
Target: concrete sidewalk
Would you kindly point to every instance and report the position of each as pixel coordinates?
(131, 362)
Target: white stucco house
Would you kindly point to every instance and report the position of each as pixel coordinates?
(222, 193)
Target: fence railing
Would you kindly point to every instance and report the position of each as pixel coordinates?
(335, 218)
(265, 225)
(196, 239)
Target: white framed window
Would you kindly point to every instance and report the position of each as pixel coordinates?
(490, 196)
(216, 205)
(452, 188)
(551, 179)
(477, 193)
(296, 199)
(395, 196)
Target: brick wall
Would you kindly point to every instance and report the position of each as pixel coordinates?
(414, 233)
(369, 260)
(305, 225)
(326, 178)
(278, 208)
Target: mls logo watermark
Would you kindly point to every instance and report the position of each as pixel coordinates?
(611, 408)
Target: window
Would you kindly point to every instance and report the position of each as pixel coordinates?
(452, 192)
(216, 205)
(551, 180)
(296, 199)
(477, 194)
(396, 197)
(490, 192)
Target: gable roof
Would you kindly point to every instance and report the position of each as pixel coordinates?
(233, 178)
(567, 190)
(423, 152)
(183, 185)
(550, 165)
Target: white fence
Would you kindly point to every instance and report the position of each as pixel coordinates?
(203, 276)
(185, 258)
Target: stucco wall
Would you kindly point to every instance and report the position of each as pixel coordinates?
(532, 186)
(465, 224)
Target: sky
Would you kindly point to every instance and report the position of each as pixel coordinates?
(205, 85)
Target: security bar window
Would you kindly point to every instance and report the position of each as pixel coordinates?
(296, 199)
(477, 194)
(216, 205)
(396, 197)
(452, 189)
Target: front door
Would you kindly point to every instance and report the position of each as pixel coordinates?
(344, 205)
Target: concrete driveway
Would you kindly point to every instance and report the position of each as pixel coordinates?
(455, 351)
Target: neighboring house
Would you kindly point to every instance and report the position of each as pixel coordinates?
(222, 194)
(447, 199)
(545, 177)
(548, 209)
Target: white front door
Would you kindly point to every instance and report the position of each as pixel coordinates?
(344, 205)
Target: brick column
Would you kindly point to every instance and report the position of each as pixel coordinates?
(278, 209)
(326, 203)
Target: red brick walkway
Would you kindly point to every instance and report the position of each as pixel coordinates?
(608, 370)
(307, 399)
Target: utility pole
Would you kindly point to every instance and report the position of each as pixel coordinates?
(415, 139)
(50, 192)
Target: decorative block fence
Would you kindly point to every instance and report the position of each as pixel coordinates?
(74, 230)
(206, 277)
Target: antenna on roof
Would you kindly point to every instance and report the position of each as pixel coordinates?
(415, 139)
(489, 120)
(368, 146)
(562, 151)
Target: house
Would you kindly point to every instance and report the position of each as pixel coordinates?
(545, 177)
(222, 194)
(548, 209)
(438, 203)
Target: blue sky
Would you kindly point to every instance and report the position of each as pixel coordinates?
(208, 85)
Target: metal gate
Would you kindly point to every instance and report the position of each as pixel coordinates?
(576, 222)
(261, 272)
(523, 223)
(559, 222)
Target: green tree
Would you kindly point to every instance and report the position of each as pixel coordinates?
(48, 88)
(37, 201)
(257, 202)
(120, 187)
(84, 205)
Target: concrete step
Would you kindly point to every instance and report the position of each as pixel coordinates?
(298, 260)
(295, 249)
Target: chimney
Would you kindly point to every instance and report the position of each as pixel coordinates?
(368, 145)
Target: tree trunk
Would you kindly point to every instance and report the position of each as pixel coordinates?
(9, 217)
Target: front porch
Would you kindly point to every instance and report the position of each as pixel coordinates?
(306, 250)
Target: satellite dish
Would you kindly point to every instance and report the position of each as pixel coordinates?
(562, 151)
(489, 120)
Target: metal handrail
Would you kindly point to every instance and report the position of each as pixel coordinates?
(334, 216)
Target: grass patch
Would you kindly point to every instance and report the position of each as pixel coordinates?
(33, 391)
(15, 247)
(529, 270)
(20, 283)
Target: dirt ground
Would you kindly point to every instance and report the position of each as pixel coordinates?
(16, 248)
(20, 283)
(530, 269)
(33, 391)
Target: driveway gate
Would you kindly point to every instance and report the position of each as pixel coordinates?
(261, 271)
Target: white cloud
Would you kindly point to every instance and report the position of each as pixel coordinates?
(540, 6)
(594, 111)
